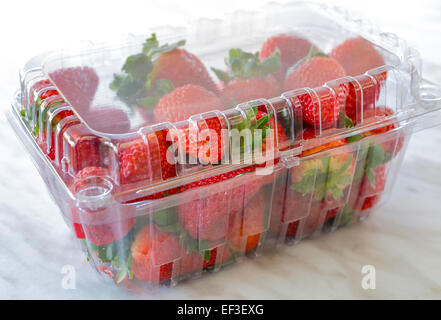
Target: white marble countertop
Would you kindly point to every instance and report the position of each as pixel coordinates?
(402, 240)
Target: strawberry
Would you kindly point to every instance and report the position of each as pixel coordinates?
(207, 218)
(94, 226)
(371, 188)
(182, 67)
(327, 178)
(140, 162)
(156, 71)
(77, 84)
(292, 48)
(373, 184)
(37, 87)
(60, 116)
(357, 56)
(248, 78)
(153, 253)
(394, 144)
(250, 225)
(312, 73)
(370, 202)
(85, 148)
(184, 102)
(187, 101)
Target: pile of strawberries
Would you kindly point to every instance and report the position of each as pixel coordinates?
(232, 211)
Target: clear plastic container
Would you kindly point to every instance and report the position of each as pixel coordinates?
(163, 172)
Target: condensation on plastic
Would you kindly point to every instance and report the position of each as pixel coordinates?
(62, 139)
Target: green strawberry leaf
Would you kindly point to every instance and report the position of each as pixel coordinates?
(316, 52)
(162, 86)
(313, 52)
(345, 180)
(245, 65)
(150, 44)
(149, 102)
(262, 122)
(306, 185)
(135, 83)
(337, 193)
(171, 228)
(345, 166)
(152, 49)
(192, 244)
(371, 176)
(272, 63)
(222, 75)
(207, 255)
(354, 138)
(348, 123)
(138, 66)
(165, 217)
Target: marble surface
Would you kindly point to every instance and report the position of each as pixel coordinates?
(402, 240)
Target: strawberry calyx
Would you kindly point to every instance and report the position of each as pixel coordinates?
(136, 85)
(246, 65)
(325, 181)
(116, 255)
(313, 52)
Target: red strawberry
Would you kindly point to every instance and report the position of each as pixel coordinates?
(77, 84)
(292, 48)
(93, 225)
(184, 102)
(187, 101)
(86, 148)
(395, 143)
(153, 253)
(39, 86)
(182, 67)
(250, 225)
(371, 188)
(91, 172)
(207, 218)
(248, 78)
(60, 116)
(141, 162)
(312, 73)
(373, 184)
(156, 71)
(327, 178)
(243, 90)
(370, 202)
(357, 56)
